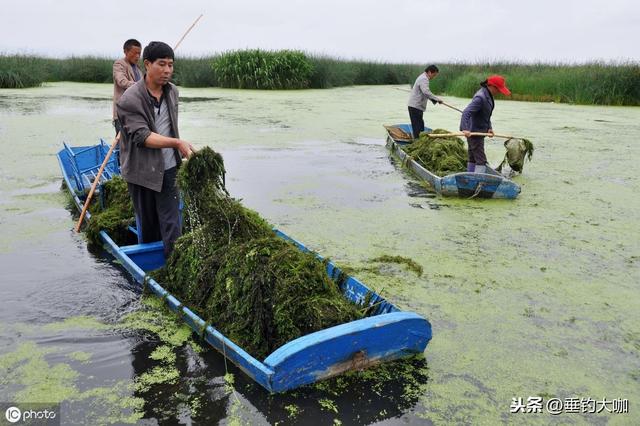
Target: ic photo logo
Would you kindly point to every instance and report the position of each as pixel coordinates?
(13, 414)
(34, 414)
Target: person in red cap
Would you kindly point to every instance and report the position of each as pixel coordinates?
(476, 117)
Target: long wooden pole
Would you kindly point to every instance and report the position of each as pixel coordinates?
(446, 135)
(443, 102)
(451, 106)
(96, 181)
(187, 32)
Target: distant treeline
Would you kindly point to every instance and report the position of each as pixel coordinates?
(598, 83)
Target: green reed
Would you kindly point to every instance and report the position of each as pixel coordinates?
(597, 83)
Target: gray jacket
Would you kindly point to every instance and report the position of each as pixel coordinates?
(476, 117)
(141, 165)
(420, 93)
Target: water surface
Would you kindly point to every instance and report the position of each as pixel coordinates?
(532, 297)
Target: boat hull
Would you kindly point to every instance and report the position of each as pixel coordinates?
(464, 185)
(385, 336)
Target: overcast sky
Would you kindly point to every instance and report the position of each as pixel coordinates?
(417, 31)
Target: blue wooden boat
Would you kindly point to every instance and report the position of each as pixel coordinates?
(482, 185)
(388, 334)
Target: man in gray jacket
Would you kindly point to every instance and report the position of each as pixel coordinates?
(151, 148)
(125, 74)
(420, 94)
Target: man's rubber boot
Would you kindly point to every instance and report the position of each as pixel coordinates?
(480, 169)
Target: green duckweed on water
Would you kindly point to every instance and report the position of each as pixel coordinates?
(80, 356)
(27, 376)
(293, 410)
(34, 378)
(163, 353)
(258, 289)
(441, 156)
(155, 318)
(159, 375)
(484, 351)
(410, 263)
(79, 322)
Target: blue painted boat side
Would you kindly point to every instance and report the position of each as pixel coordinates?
(481, 185)
(247, 363)
(148, 256)
(389, 334)
(430, 178)
(328, 352)
(349, 346)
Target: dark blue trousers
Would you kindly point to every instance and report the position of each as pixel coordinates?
(158, 212)
(417, 121)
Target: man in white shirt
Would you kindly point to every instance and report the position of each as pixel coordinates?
(420, 94)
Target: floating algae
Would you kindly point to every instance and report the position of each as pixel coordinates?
(410, 263)
(442, 156)
(111, 212)
(231, 268)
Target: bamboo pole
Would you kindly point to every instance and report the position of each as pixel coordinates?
(451, 106)
(446, 135)
(94, 185)
(443, 102)
(187, 32)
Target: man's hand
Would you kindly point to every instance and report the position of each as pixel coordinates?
(466, 133)
(491, 134)
(440, 101)
(185, 148)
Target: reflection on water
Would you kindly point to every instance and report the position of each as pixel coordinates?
(536, 296)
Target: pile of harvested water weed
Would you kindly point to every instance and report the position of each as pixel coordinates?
(441, 156)
(230, 267)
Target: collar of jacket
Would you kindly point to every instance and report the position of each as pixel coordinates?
(488, 96)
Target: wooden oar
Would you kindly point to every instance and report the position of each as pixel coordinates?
(94, 185)
(446, 135)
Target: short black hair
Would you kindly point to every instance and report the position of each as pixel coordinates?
(131, 43)
(431, 69)
(157, 50)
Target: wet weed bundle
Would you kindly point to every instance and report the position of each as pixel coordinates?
(231, 268)
(441, 156)
(517, 151)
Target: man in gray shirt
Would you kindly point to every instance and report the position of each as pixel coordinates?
(420, 94)
(151, 148)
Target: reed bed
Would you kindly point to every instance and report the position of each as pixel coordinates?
(263, 69)
(595, 83)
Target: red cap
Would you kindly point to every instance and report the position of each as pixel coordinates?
(498, 82)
